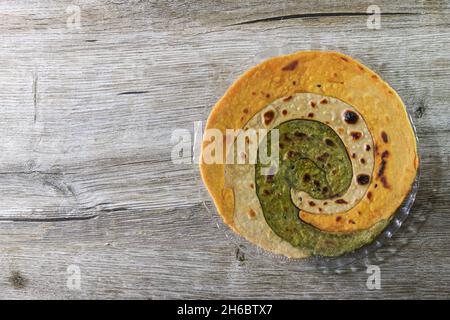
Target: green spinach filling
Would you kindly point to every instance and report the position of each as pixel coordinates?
(312, 159)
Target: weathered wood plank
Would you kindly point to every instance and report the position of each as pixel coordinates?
(86, 117)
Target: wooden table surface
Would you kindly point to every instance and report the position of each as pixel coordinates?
(86, 115)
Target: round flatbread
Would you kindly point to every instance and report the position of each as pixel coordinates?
(346, 159)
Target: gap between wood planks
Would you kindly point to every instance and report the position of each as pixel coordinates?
(321, 15)
(56, 219)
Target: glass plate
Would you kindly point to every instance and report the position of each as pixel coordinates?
(343, 263)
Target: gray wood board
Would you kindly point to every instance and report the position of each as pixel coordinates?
(86, 117)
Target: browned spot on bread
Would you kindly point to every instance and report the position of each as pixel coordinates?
(374, 77)
(384, 155)
(300, 135)
(323, 156)
(356, 135)
(287, 99)
(312, 104)
(251, 213)
(267, 95)
(294, 82)
(312, 203)
(369, 195)
(252, 185)
(247, 140)
(384, 182)
(367, 147)
(360, 68)
(320, 209)
(362, 160)
(351, 221)
(344, 59)
(338, 218)
(245, 110)
(384, 136)
(341, 201)
(284, 112)
(325, 203)
(382, 168)
(363, 179)
(268, 117)
(329, 142)
(306, 178)
(353, 155)
(291, 66)
(350, 117)
(254, 93)
(324, 101)
(340, 130)
(311, 115)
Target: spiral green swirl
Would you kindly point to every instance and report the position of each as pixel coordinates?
(312, 159)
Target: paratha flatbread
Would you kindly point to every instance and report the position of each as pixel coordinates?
(384, 147)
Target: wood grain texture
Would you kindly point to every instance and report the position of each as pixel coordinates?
(86, 117)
